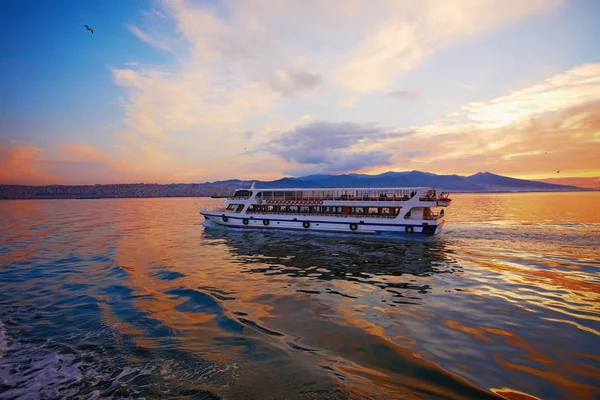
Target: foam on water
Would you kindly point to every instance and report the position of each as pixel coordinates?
(37, 371)
(32, 371)
(3, 343)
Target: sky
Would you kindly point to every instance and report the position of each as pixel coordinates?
(194, 91)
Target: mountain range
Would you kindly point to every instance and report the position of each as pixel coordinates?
(479, 182)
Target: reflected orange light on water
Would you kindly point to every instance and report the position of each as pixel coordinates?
(496, 306)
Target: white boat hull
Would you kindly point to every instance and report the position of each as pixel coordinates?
(378, 226)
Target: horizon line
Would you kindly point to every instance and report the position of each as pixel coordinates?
(543, 180)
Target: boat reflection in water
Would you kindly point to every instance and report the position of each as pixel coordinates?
(356, 303)
(336, 256)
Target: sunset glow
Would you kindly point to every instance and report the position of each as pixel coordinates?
(195, 91)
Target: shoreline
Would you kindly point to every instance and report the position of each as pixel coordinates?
(49, 197)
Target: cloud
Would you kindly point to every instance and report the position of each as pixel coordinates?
(83, 153)
(158, 13)
(544, 127)
(240, 71)
(338, 163)
(156, 41)
(333, 147)
(405, 95)
(232, 49)
(73, 164)
(24, 165)
(348, 102)
(414, 153)
(576, 87)
(290, 83)
(413, 31)
(585, 182)
(240, 66)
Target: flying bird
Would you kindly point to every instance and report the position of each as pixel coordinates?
(558, 171)
(88, 28)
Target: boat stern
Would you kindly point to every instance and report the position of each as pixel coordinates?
(432, 229)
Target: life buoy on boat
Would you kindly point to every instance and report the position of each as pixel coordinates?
(245, 221)
(306, 224)
(224, 217)
(353, 227)
(408, 229)
(260, 201)
(265, 222)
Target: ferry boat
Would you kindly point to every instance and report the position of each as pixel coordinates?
(406, 211)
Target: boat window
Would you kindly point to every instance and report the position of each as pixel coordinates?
(269, 207)
(242, 194)
(235, 207)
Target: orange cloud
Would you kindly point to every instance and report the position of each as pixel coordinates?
(24, 165)
(80, 152)
(590, 183)
(529, 133)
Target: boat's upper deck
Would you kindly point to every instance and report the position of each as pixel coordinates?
(339, 194)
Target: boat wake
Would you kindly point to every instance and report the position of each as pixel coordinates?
(44, 371)
(29, 371)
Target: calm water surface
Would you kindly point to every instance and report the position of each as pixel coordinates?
(135, 298)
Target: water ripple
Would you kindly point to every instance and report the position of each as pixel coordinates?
(138, 299)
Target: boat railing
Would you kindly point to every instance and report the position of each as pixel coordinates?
(339, 198)
(369, 198)
(322, 214)
(347, 198)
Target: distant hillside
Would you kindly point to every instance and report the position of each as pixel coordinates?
(480, 182)
(491, 182)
